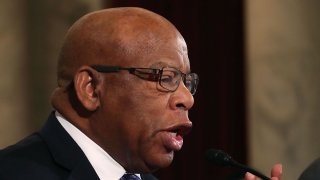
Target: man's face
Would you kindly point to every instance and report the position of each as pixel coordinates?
(139, 124)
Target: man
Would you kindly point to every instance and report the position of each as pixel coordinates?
(121, 109)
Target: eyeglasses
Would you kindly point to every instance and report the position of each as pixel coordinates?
(168, 77)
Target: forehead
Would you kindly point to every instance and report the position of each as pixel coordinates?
(156, 43)
(183, 67)
(171, 53)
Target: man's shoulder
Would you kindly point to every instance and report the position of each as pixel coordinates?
(31, 147)
(32, 144)
(30, 150)
(24, 159)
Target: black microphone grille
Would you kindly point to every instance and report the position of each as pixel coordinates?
(218, 157)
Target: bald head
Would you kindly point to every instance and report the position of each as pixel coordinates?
(111, 37)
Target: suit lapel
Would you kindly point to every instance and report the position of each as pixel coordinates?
(65, 151)
(83, 172)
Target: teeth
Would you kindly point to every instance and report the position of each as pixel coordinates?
(175, 133)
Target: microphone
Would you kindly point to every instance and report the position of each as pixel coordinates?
(220, 158)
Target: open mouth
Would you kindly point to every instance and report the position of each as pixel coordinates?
(172, 138)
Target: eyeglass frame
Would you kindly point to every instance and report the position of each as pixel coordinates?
(155, 75)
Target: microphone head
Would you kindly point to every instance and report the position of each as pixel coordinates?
(218, 157)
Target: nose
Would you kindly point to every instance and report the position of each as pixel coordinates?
(182, 98)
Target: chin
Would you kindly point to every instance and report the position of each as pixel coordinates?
(161, 161)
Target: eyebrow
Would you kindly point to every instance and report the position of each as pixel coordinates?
(161, 64)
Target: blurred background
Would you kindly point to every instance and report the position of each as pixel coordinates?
(258, 62)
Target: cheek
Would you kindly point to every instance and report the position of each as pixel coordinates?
(151, 119)
(144, 116)
(141, 114)
(152, 153)
(144, 107)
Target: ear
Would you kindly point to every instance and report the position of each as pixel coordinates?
(86, 82)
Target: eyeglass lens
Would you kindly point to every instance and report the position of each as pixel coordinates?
(171, 77)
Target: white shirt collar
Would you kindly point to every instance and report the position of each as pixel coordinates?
(104, 165)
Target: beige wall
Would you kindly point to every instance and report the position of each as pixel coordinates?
(31, 33)
(283, 52)
(12, 59)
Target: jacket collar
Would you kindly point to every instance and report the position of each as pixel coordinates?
(65, 150)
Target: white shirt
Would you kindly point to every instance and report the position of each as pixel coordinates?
(104, 165)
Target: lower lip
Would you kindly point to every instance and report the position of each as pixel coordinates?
(172, 141)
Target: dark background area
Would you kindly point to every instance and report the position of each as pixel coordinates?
(214, 32)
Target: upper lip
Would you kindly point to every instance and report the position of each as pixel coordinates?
(180, 129)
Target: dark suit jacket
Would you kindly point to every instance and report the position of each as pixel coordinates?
(49, 154)
(312, 172)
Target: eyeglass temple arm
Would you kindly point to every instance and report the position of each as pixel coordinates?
(111, 69)
(106, 69)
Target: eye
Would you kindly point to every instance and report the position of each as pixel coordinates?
(147, 74)
(168, 76)
(166, 79)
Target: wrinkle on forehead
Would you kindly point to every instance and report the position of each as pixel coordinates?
(148, 35)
